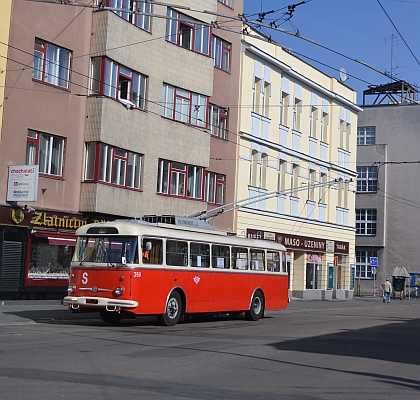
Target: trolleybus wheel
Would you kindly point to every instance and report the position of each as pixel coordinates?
(110, 317)
(256, 310)
(173, 310)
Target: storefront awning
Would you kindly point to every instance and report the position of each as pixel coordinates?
(59, 238)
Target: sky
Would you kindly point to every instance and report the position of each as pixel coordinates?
(382, 33)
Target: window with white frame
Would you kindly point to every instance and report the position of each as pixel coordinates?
(218, 121)
(313, 116)
(187, 32)
(366, 136)
(184, 106)
(178, 179)
(47, 151)
(51, 64)
(324, 128)
(363, 267)
(136, 11)
(281, 176)
(367, 179)
(112, 165)
(365, 222)
(221, 53)
(284, 105)
(296, 114)
(118, 82)
(228, 3)
(215, 188)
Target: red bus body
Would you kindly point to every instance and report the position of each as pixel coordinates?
(143, 289)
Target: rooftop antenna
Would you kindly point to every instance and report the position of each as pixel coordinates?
(390, 73)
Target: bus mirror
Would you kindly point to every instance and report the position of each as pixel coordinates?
(148, 246)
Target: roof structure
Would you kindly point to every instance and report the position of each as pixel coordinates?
(400, 272)
(399, 92)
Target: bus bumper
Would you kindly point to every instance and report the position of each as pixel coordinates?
(84, 301)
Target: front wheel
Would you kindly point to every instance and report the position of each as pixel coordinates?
(173, 310)
(110, 317)
(256, 311)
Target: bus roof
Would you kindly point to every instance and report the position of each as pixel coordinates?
(138, 227)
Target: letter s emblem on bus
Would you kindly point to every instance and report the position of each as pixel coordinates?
(85, 278)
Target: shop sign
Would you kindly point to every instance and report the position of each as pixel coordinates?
(57, 221)
(305, 243)
(22, 183)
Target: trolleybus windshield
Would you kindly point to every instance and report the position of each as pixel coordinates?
(105, 249)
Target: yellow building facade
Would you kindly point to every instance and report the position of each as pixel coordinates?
(296, 167)
(5, 12)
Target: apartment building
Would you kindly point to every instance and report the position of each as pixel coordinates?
(296, 167)
(127, 112)
(386, 199)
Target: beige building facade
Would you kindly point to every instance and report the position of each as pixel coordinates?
(296, 167)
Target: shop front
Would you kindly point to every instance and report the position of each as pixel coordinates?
(36, 250)
(318, 268)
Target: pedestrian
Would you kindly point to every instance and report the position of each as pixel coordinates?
(387, 290)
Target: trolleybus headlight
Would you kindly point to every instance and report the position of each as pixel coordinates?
(119, 290)
(71, 288)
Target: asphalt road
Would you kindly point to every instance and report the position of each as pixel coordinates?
(352, 349)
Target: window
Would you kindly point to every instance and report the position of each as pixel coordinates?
(118, 82)
(281, 176)
(239, 258)
(187, 32)
(221, 53)
(218, 121)
(138, 8)
(324, 128)
(173, 177)
(228, 3)
(313, 271)
(323, 189)
(367, 179)
(176, 253)
(199, 255)
(366, 222)
(273, 261)
(184, 106)
(47, 151)
(284, 104)
(296, 115)
(257, 259)
(215, 188)
(51, 64)
(313, 116)
(152, 251)
(220, 256)
(112, 165)
(363, 268)
(366, 136)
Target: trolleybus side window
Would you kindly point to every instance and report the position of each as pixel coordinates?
(239, 257)
(273, 261)
(200, 255)
(152, 251)
(257, 259)
(176, 253)
(220, 256)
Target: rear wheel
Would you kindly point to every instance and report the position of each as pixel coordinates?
(110, 317)
(256, 311)
(173, 310)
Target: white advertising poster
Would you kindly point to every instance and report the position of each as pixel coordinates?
(22, 183)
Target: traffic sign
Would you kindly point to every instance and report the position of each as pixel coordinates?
(373, 261)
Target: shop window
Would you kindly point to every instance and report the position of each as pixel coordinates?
(313, 271)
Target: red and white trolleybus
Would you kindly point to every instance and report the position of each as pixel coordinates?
(134, 267)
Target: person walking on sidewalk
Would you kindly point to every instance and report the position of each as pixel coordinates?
(387, 290)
